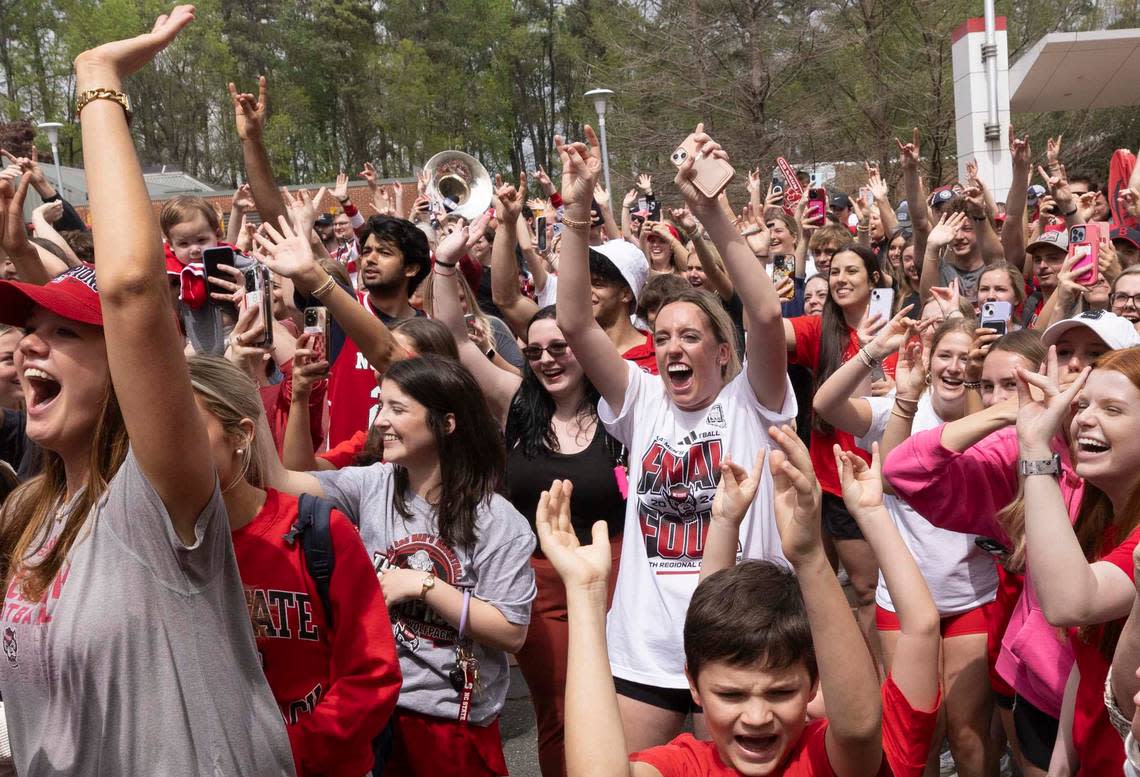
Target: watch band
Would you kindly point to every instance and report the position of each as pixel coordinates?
(1040, 466)
(113, 95)
(426, 585)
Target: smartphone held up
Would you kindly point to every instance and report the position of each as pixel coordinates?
(710, 175)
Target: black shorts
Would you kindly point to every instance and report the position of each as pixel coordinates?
(1036, 732)
(672, 699)
(837, 521)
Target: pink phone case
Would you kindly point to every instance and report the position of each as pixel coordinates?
(710, 175)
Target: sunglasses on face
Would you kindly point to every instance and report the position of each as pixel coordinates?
(534, 352)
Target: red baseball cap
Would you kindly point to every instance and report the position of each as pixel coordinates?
(71, 294)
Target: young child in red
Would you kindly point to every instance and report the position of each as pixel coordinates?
(759, 641)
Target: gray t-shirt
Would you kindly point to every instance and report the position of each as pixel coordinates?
(967, 279)
(140, 660)
(497, 569)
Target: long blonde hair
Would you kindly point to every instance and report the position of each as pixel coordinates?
(230, 395)
(27, 514)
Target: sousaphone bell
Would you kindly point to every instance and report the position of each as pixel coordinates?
(458, 183)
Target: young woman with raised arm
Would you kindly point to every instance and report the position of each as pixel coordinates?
(677, 428)
(128, 642)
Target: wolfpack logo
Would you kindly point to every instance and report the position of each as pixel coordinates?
(10, 647)
(716, 416)
(675, 494)
(414, 620)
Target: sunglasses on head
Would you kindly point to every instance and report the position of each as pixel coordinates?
(534, 352)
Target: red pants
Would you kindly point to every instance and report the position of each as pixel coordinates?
(426, 746)
(543, 659)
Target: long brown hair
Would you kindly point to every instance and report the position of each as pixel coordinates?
(29, 511)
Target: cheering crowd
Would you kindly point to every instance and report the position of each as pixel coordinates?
(285, 497)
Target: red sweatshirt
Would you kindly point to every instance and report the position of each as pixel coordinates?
(336, 689)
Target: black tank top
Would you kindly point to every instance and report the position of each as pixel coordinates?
(596, 496)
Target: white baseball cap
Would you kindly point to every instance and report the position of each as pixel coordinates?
(629, 261)
(1057, 238)
(1114, 331)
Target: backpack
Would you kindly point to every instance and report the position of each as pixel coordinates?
(312, 526)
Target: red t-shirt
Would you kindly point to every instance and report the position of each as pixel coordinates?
(1099, 748)
(353, 392)
(809, 332)
(644, 355)
(907, 732)
(342, 455)
(687, 756)
(336, 689)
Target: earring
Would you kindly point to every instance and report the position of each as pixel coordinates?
(928, 378)
(239, 451)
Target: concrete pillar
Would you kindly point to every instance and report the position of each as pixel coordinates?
(971, 105)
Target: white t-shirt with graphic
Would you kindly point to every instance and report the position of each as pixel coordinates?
(674, 468)
(959, 574)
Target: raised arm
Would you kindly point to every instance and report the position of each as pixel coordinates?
(836, 400)
(915, 665)
(593, 348)
(498, 385)
(734, 495)
(517, 309)
(595, 739)
(938, 238)
(250, 115)
(846, 671)
(1072, 591)
(915, 196)
(1013, 229)
(766, 355)
(711, 263)
(144, 347)
(241, 204)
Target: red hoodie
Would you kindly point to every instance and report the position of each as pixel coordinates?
(336, 689)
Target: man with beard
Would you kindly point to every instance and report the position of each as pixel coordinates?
(394, 258)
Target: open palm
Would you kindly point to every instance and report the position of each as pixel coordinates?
(862, 484)
(285, 252)
(578, 565)
(121, 58)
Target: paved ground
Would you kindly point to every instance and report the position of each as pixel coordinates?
(520, 744)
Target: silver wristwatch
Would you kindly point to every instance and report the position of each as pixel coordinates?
(1040, 466)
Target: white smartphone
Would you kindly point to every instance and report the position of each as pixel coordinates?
(882, 301)
(996, 316)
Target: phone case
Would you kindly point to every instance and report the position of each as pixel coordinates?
(710, 175)
(1085, 237)
(882, 300)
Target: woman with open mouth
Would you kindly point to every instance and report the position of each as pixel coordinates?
(550, 415)
(823, 344)
(931, 389)
(678, 428)
(126, 633)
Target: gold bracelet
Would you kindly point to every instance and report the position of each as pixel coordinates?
(903, 416)
(324, 288)
(575, 224)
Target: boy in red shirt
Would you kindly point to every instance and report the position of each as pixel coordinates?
(758, 643)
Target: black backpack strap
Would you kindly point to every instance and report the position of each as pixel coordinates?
(312, 526)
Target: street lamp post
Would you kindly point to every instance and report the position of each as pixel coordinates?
(52, 129)
(600, 98)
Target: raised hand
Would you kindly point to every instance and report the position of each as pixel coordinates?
(452, 247)
(307, 368)
(1053, 153)
(910, 372)
(736, 490)
(231, 291)
(697, 201)
(861, 484)
(511, 199)
(382, 201)
(544, 181)
(979, 348)
(1039, 419)
(286, 252)
(1129, 200)
(645, 183)
(796, 496)
(948, 298)
(943, 232)
(876, 184)
(754, 181)
(242, 200)
(773, 197)
(340, 190)
(1019, 149)
(891, 337)
(369, 175)
(581, 166)
(303, 209)
(13, 233)
(975, 198)
(250, 113)
(909, 152)
(249, 329)
(629, 198)
(107, 65)
(684, 219)
(50, 212)
(579, 566)
(755, 231)
(1058, 184)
